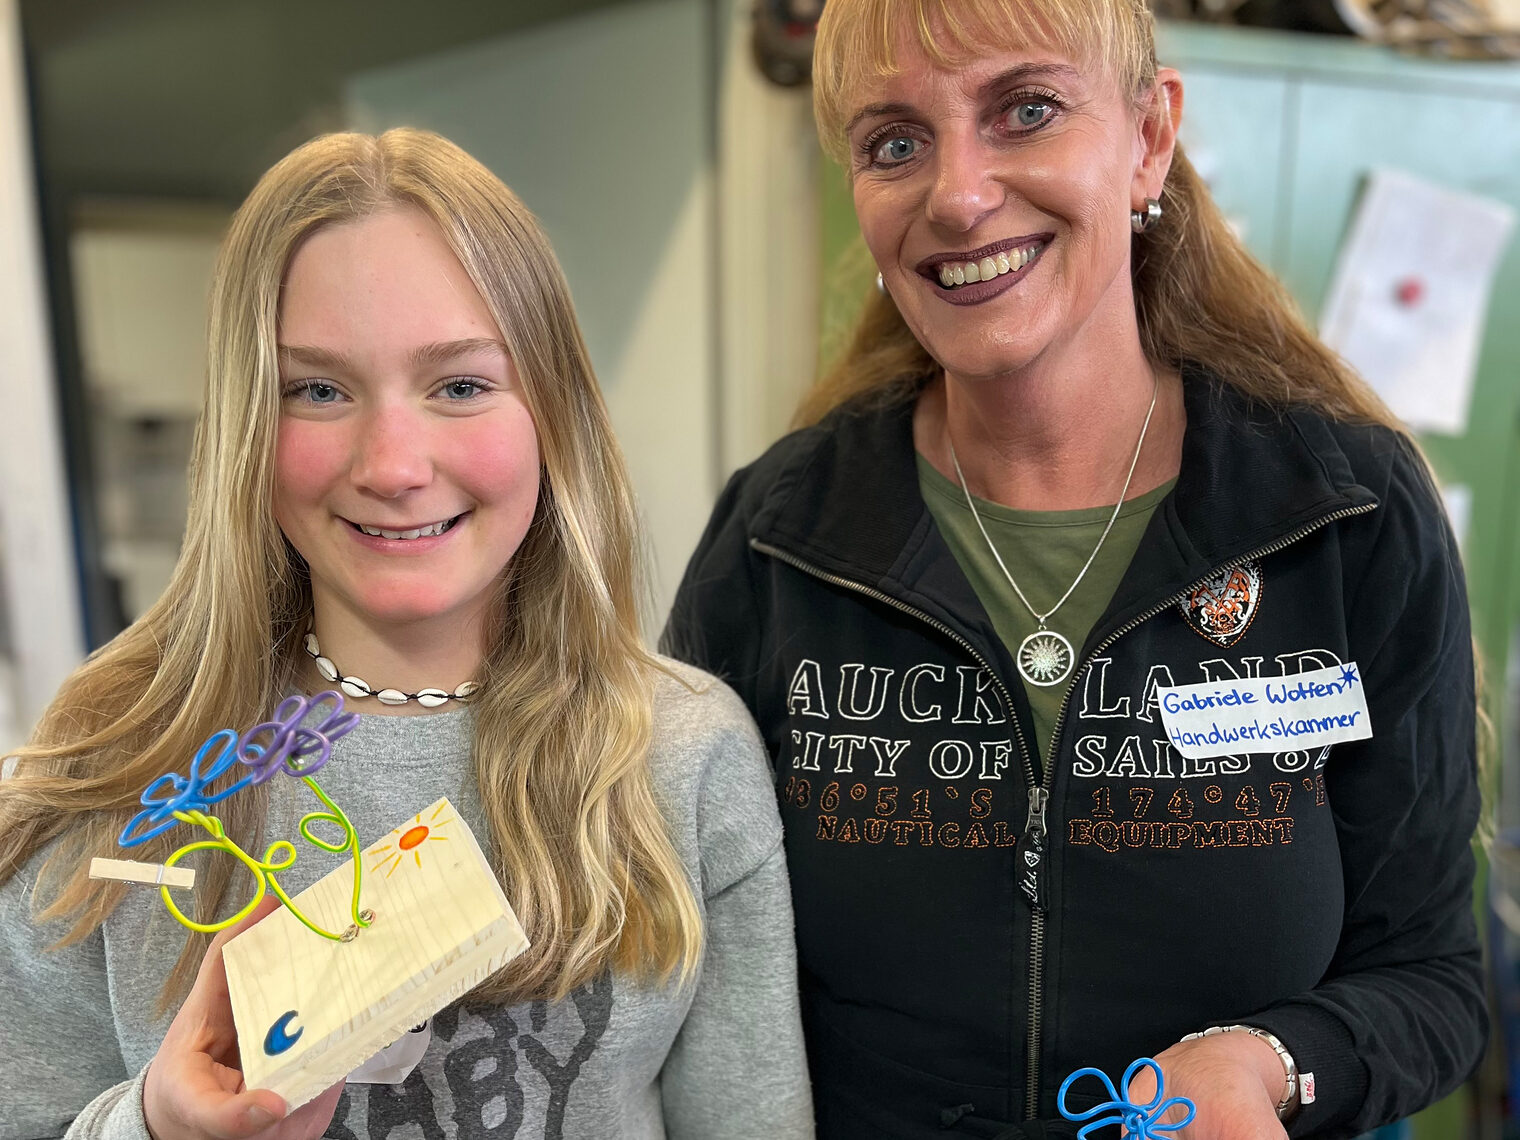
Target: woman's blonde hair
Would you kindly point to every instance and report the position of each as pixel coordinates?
(1200, 297)
(563, 716)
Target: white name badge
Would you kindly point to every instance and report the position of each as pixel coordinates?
(393, 1064)
(1266, 714)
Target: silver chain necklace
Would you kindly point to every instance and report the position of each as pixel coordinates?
(1046, 657)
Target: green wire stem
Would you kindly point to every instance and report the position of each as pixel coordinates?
(280, 856)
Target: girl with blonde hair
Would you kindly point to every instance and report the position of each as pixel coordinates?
(1081, 454)
(404, 478)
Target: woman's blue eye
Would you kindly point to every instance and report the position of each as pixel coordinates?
(462, 388)
(1030, 113)
(900, 148)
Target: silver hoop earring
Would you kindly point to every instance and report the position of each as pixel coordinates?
(881, 284)
(1142, 220)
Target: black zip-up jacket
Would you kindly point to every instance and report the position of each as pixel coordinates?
(1325, 896)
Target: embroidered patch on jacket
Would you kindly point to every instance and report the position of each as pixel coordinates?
(1222, 607)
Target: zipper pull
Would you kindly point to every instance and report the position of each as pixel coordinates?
(1038, 798)
(1029, 854)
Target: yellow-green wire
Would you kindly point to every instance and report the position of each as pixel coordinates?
(280, 856)
(335, 814)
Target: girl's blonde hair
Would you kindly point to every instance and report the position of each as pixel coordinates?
(563, 717)
(1200, 297)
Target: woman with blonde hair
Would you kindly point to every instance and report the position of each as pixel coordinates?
(1034, 607)
(404, 473)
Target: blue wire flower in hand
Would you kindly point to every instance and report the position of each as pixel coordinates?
(1136, 1121)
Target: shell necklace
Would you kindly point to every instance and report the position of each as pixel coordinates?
(358, 687)
(1046, 657)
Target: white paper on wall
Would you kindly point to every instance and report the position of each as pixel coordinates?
(1458, 500)
(1407, 305)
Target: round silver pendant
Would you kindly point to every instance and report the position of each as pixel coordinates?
(1045, 658)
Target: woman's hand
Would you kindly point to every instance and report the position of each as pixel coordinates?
(1234, 1079)
(194, 1088)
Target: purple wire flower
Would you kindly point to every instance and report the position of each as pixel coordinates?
(291, 746)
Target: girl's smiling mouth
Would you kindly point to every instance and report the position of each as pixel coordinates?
(427, 530)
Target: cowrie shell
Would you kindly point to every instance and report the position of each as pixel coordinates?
(356, 687)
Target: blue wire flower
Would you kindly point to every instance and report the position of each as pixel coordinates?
(172, 793)
(1136, 1121)
(292, 748)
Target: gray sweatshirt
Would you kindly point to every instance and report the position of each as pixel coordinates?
(619, 1059)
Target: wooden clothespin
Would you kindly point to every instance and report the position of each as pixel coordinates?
(145, 874)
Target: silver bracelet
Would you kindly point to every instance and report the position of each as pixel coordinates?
(1300, 1085)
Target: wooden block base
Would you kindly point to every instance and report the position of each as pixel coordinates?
(309, 1010)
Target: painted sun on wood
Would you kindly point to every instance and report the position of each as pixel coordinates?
(310, 1010)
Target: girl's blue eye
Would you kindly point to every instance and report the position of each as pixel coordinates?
(462, 388)
(897, 149)
(316, 392)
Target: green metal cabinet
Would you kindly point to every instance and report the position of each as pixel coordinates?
(1286, 127)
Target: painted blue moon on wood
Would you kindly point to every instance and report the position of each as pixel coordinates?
(277, 1040)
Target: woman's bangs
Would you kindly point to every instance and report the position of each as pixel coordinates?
(862, 43)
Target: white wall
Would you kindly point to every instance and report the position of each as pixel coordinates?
(769, 246)
(601, 124)
(141, 294)
(42, 625)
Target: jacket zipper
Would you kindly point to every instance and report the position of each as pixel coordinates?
(929, 619)
(1037, 822)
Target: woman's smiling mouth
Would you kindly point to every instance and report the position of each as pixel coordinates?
(978, 275)
(990, 264)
